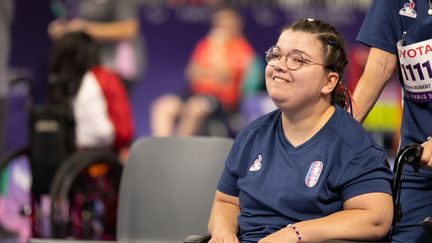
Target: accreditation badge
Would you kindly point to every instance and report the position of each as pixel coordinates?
(415, 63)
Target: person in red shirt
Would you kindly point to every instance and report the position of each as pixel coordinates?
(99, 102)
(216, 69)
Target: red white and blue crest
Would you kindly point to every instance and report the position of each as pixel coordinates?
(408, 10)
(314, 173)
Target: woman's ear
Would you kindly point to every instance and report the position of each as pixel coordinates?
(331, 83)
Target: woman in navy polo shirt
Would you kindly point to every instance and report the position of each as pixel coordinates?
(306, 172)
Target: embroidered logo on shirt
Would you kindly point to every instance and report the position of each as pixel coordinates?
(256, 164)
(314, 173)
(408, 10)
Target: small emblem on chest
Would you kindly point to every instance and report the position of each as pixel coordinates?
(314, 173)
(408, 10)
(256, 164)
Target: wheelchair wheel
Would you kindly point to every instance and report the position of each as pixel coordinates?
(84, 196)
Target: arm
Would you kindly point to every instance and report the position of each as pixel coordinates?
(110, 31)
(218, 74)
(364, 217)
(93, 125)
(379, 68)
(223, 218)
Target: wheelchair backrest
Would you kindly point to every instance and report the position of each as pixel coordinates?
(52, 139)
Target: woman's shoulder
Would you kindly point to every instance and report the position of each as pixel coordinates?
(351, 132)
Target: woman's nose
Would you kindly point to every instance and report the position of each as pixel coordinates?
(281, 65)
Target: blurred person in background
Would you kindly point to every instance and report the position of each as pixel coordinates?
(13, 226)
(217, 68)
(6, 16)
(114, 24)
(100, 105)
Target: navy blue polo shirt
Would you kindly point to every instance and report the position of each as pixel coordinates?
(382, 28)
(278, 183)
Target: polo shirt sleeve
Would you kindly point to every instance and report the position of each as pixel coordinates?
(377, 29)
(93, 125)
(228, 180)
(366, 173)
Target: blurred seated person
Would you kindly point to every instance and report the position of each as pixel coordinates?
(100, 105)
(215, 72)
(306, 172)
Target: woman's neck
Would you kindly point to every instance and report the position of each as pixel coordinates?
(299, 128)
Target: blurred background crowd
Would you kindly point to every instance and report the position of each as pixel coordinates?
(169, 30)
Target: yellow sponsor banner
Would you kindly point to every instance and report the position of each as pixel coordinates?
(384, 117)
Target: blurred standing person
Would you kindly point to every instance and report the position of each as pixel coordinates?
(400, 36)
(14, 185)
(217, 67)
(6, 15)
(114, 24)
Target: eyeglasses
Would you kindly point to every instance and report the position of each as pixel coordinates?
(294, 59)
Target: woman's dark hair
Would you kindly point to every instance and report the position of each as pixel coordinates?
(72, 56)
(335, 57)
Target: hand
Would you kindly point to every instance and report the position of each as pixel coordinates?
(426, 157)
(285, 235)
(57, 28)
(77, 25)
(224, 237)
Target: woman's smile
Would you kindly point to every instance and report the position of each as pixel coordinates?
(279, 79)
